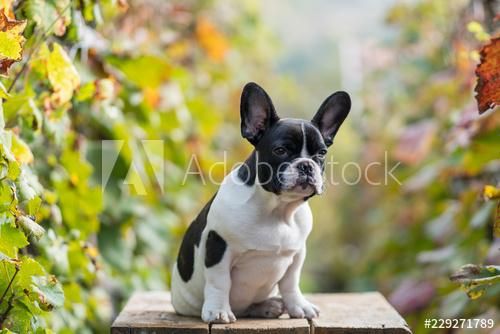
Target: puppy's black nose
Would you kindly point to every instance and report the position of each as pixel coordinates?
(305, 168)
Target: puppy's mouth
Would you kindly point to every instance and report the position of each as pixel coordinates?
(309, 185)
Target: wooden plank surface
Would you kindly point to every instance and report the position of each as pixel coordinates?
(152, 312)
(268, 326)
(369, 312)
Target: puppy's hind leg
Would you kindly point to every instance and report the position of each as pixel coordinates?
(269, 308)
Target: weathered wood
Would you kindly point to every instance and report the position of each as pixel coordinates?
(152, 312)
(268, 326)
(367, 312)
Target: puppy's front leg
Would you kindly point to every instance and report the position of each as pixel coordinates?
(216, 308)
(295, 303)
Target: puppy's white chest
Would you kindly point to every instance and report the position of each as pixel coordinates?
(274, 237)
(259, 268)
(262, 263)
(255, 275)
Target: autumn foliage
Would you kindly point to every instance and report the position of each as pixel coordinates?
(488, 73)
(89, 84)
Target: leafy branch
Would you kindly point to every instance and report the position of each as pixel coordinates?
(46, 34)
(3, 316)
(475, 279)
(9, 285)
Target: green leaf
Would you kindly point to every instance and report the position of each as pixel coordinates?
(23, 316)
(39, 61)
(4, 257)
(20, 318)
(11, 239)
(145, 71)
(6, 218)
(72, 292)
(54, 15)
(34, 205)
(475, 279)
(86, 92)
(13, 170)
(3, 95)
(49, 291)
(7, 196)
(2, 118)
(28, 268)
(16, 104)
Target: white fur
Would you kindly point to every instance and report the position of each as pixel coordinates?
(290, 175)
(265, 235)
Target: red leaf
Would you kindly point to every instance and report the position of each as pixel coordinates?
(488, 75)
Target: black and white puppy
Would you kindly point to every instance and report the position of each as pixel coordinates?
(243, 254)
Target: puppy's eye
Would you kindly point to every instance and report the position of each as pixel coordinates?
(322, 152)
(279, 151)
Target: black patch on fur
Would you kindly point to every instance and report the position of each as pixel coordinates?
(185, 259)
(247, 171)
(216, 246)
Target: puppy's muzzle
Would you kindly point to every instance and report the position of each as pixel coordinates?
(303, 173)
(305, 168)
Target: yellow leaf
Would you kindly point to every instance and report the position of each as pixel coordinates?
(91, 251)
(491, 192)
(39, 60)
(178, 50)
(6, 6)
(62, 75)
(11, 41)
(151, 96)
(211, 40)
(477, 29)
(21, 151)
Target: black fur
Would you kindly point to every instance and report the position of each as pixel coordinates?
(185, 260)
(286, 133)
(216, 246)
(247, 171)
(331, 114)
(257, 112)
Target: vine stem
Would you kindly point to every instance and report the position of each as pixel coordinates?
(9, 285)
(6, 313)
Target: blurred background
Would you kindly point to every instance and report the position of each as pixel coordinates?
(94, 86)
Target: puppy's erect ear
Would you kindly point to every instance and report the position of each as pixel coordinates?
(257, 112)
(331, 115)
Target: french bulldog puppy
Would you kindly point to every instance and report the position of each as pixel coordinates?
(242, 256)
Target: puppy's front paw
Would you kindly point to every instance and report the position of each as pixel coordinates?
(217, 316)
(269, 308)
(301, 308)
